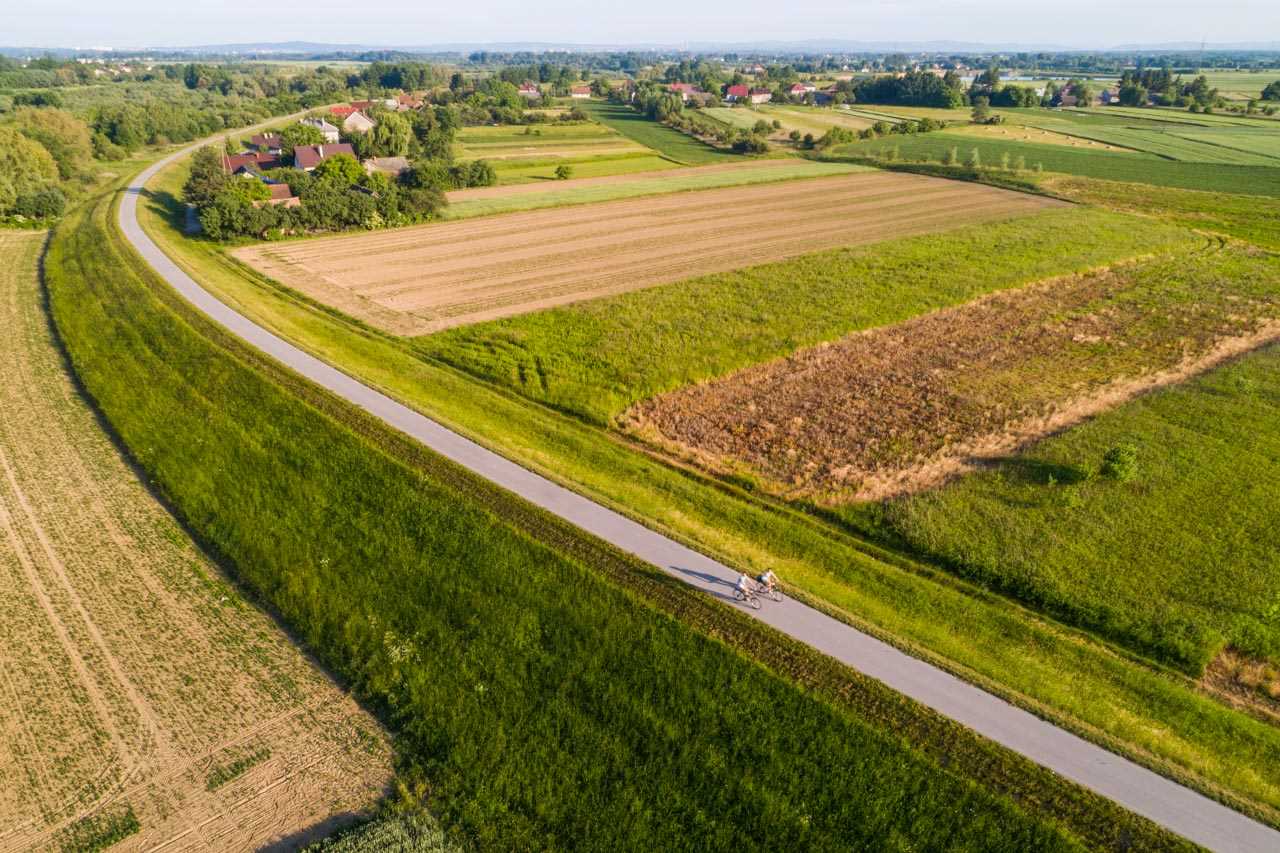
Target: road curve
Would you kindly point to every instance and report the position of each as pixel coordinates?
(1163, 801)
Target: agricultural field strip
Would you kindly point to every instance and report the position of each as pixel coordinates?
(97, 661)
(1169, 804)
(553, 257)
(1162, 143)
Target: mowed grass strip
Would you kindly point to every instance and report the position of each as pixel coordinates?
(541, 702)
(1182, 553)
(1108, 165)
(597, 358)
(667, 142)
(586, 188)
(444, 275)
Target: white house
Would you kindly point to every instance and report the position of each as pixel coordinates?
(358, 123)
(328, 131)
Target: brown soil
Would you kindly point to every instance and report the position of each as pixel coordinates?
(130, 669)
(479, 193)
(1253, 685)
(427, 278)
(902, 408)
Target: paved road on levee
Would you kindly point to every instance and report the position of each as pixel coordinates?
(1167, 803)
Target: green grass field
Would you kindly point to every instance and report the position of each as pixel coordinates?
(1261, 141)
(527, 171)
(1113, 166)
(1247, 217)
(554, 196)
(596, 358)
(541, 697)
(667, 142)
(1175, 146)
(1184, 555)
(1154, 716)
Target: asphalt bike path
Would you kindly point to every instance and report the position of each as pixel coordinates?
(1176, 807)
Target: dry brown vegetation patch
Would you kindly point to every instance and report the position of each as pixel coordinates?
(134, 679)
(1246, 682)
(903, 407)
(427, 278)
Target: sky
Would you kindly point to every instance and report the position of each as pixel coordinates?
(1081, 23)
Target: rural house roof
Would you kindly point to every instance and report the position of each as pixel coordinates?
(342, 110)
(310, 156)
(739, 91)
(319, 124)
(580, 90)
(256, 160)
(361, 105)
(358, 123)
(266, 140)
(527, 89)
(683, 87)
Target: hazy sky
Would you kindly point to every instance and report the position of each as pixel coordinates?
(1091, 23)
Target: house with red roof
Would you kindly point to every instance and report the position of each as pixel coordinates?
(342, 110)
(271, 143)
(530, 91)
(580, 92)
(799, 90)
(280, 194)
(307, 157)
(408, 102)
(255, 161)
(737, 93)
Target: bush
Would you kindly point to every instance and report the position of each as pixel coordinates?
(564, 172)
(44, 203)
(1120, 463)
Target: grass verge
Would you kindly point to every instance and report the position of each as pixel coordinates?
(668, 142)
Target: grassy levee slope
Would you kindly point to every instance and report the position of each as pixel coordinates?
(596, 358)
(543, 703)
(1135, 168)
(1156, 717)
(1189, 541)
(668, 142)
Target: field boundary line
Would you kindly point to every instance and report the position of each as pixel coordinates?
(1177, 808)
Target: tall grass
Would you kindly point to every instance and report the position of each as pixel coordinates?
(1180, 558)
(596, 358)
(543, 703)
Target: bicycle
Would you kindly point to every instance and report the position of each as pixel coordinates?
(749, 598)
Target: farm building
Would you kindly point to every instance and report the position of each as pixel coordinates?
(393, 166)
(799, 90)
(684, 90)
(358, 123)
(530, 91)
(280, 195)
(307, 157)
(342, 110)
(328, 131)
(744, 93)
(408, 102)
(580, 92)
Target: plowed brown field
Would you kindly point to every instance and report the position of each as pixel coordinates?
(903, 407)
(427, 278)
(133, 676)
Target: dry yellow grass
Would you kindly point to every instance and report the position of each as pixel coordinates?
(432, 277)
(132, 674)
(1017, 133)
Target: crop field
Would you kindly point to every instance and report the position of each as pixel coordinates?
(597, 358)
(543, 169)
(1174, 146)
(423, 279)
(142, 695)
(485, 201)
(817, 120)
(542, 685)
(1168, 115)
(1197, 515)
(1262, 141)
(1109, 165)
(902, 407)
(1021, 133)
(668, 142)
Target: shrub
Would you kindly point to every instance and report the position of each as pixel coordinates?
(1120, 463)
(951, 157)
(563, 172)
(975, 159)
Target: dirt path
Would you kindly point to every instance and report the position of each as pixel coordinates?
(131, 671)
(424, 279)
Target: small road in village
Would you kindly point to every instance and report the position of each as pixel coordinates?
(1149, 794)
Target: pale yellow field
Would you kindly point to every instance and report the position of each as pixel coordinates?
(1018, 133)
(134, 678)
(427, 278)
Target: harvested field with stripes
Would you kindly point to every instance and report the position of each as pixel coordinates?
(428, 278)
(141, 696)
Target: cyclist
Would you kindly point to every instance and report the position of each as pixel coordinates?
(768, 580)
(745, 586)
